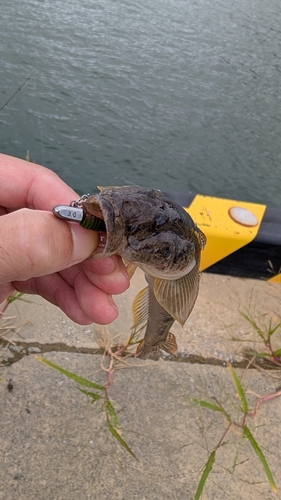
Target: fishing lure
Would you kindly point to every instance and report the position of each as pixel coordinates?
(75, 213)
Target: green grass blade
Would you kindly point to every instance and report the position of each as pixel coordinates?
(205, 404)
(264, 355)
(240, 390)
(73, 376)
(112, 414)
(272, 330)
(256, 448)
(211, 406)
(93, 395)
(277, 352)
(206, 472)
(120, 440)
(12, 298)
(254, 325)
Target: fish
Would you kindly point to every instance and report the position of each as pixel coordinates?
(152, 232)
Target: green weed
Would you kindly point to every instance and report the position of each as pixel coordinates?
(238, 425)
(99, 392)
(265, 329)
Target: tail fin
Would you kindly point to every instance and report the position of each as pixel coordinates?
(169, 345)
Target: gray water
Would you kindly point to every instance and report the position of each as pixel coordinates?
(174, 94)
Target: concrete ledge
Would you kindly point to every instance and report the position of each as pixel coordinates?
(215, 331)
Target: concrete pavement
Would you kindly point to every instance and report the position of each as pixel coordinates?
(56, 445)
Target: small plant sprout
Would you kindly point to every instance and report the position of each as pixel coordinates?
(97, 392)
(265, 332)
(6, 324)
(236, 425)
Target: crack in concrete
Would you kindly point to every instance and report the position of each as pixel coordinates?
(19, 350)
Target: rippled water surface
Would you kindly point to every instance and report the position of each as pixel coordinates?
(175, 94)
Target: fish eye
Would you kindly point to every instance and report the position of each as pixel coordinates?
(127, 205)
(160, 219)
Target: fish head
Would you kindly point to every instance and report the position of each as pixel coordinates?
(147, 229)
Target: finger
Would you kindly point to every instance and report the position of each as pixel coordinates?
(95, 302)
(113, 282)
(25, 184)
(35, 243)
(3, 211)
(102, 266)
(55, 290)
(108, 273)
(6, 290)
(83, 304)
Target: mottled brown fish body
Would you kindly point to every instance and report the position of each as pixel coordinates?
(157, 325)
(159, 236)
(157, 328)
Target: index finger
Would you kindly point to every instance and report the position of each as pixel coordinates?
(25, 184)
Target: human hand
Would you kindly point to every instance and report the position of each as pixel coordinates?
(43, 255)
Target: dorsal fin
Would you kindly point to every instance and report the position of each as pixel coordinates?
(101, 188)
(178, 297)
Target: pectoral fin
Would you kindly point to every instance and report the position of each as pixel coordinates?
(178, 297)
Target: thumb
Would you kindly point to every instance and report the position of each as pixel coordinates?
(35, 243)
